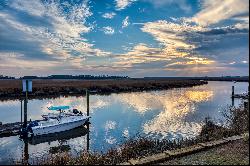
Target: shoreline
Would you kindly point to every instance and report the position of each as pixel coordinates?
(11, 89)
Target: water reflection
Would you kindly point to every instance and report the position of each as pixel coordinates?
(75, 102)
(117, 117)
(62, 138)
(174, 107)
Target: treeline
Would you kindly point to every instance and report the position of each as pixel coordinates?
(6, 77)
(88, 77)
(206, 78)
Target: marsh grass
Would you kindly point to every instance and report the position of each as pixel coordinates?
(11, 89)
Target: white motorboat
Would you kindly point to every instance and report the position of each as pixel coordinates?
(63, 110)
(58, 122)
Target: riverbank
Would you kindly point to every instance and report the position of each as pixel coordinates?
(202, 153)
(12, 89)
(232, 153)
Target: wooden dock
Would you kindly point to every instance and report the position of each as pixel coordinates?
(10, 129)
(241, 96)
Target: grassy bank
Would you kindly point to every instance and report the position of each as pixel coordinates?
(12, 89)
(237, 123)
(233, 153)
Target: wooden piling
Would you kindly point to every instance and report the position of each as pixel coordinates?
(87, 96)
(21, 111)
(232, 101)
(246, 106)
(25, 105)
(232, 95)
(88, 139)
(232, 91)
(248, 91)
(26, 152)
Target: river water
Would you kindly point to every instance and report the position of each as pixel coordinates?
(168, 114)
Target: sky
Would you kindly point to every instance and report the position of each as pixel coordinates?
(135, 38)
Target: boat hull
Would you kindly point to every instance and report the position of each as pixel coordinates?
(42, 130)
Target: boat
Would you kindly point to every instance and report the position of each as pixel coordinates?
(54, 123)
(64, 110)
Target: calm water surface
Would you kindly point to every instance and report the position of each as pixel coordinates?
(157, 114)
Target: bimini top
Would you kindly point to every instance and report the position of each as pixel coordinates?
(55, 108)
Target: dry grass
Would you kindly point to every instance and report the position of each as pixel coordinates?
(237, 122)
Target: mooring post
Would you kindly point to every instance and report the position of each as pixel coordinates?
(21, 111)
(232, 91)
(88, 136)
(246, 105)
(26, 152)
(87, 96)
(233, 95)
(25, 105)
(248, 93)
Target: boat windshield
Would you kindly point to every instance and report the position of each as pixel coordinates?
(58, 108)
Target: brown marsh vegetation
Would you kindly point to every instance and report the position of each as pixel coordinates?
(12, 89)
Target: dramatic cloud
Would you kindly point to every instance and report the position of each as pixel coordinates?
(141, 53)
(108, 30)
(182, 47)
(59, 35)
(216, 11)
(125, 22)
(172, 36)
(122, 4)
(108, 15)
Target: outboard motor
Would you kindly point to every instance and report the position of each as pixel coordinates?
(32, 124)
(28, 129)
(75, 111)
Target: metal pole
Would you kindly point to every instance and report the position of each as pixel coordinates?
(25, 105)
(87, 96)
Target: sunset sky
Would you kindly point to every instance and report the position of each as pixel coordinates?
(136, 38)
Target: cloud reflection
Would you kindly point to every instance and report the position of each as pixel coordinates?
(174, 109)
(76, 102)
